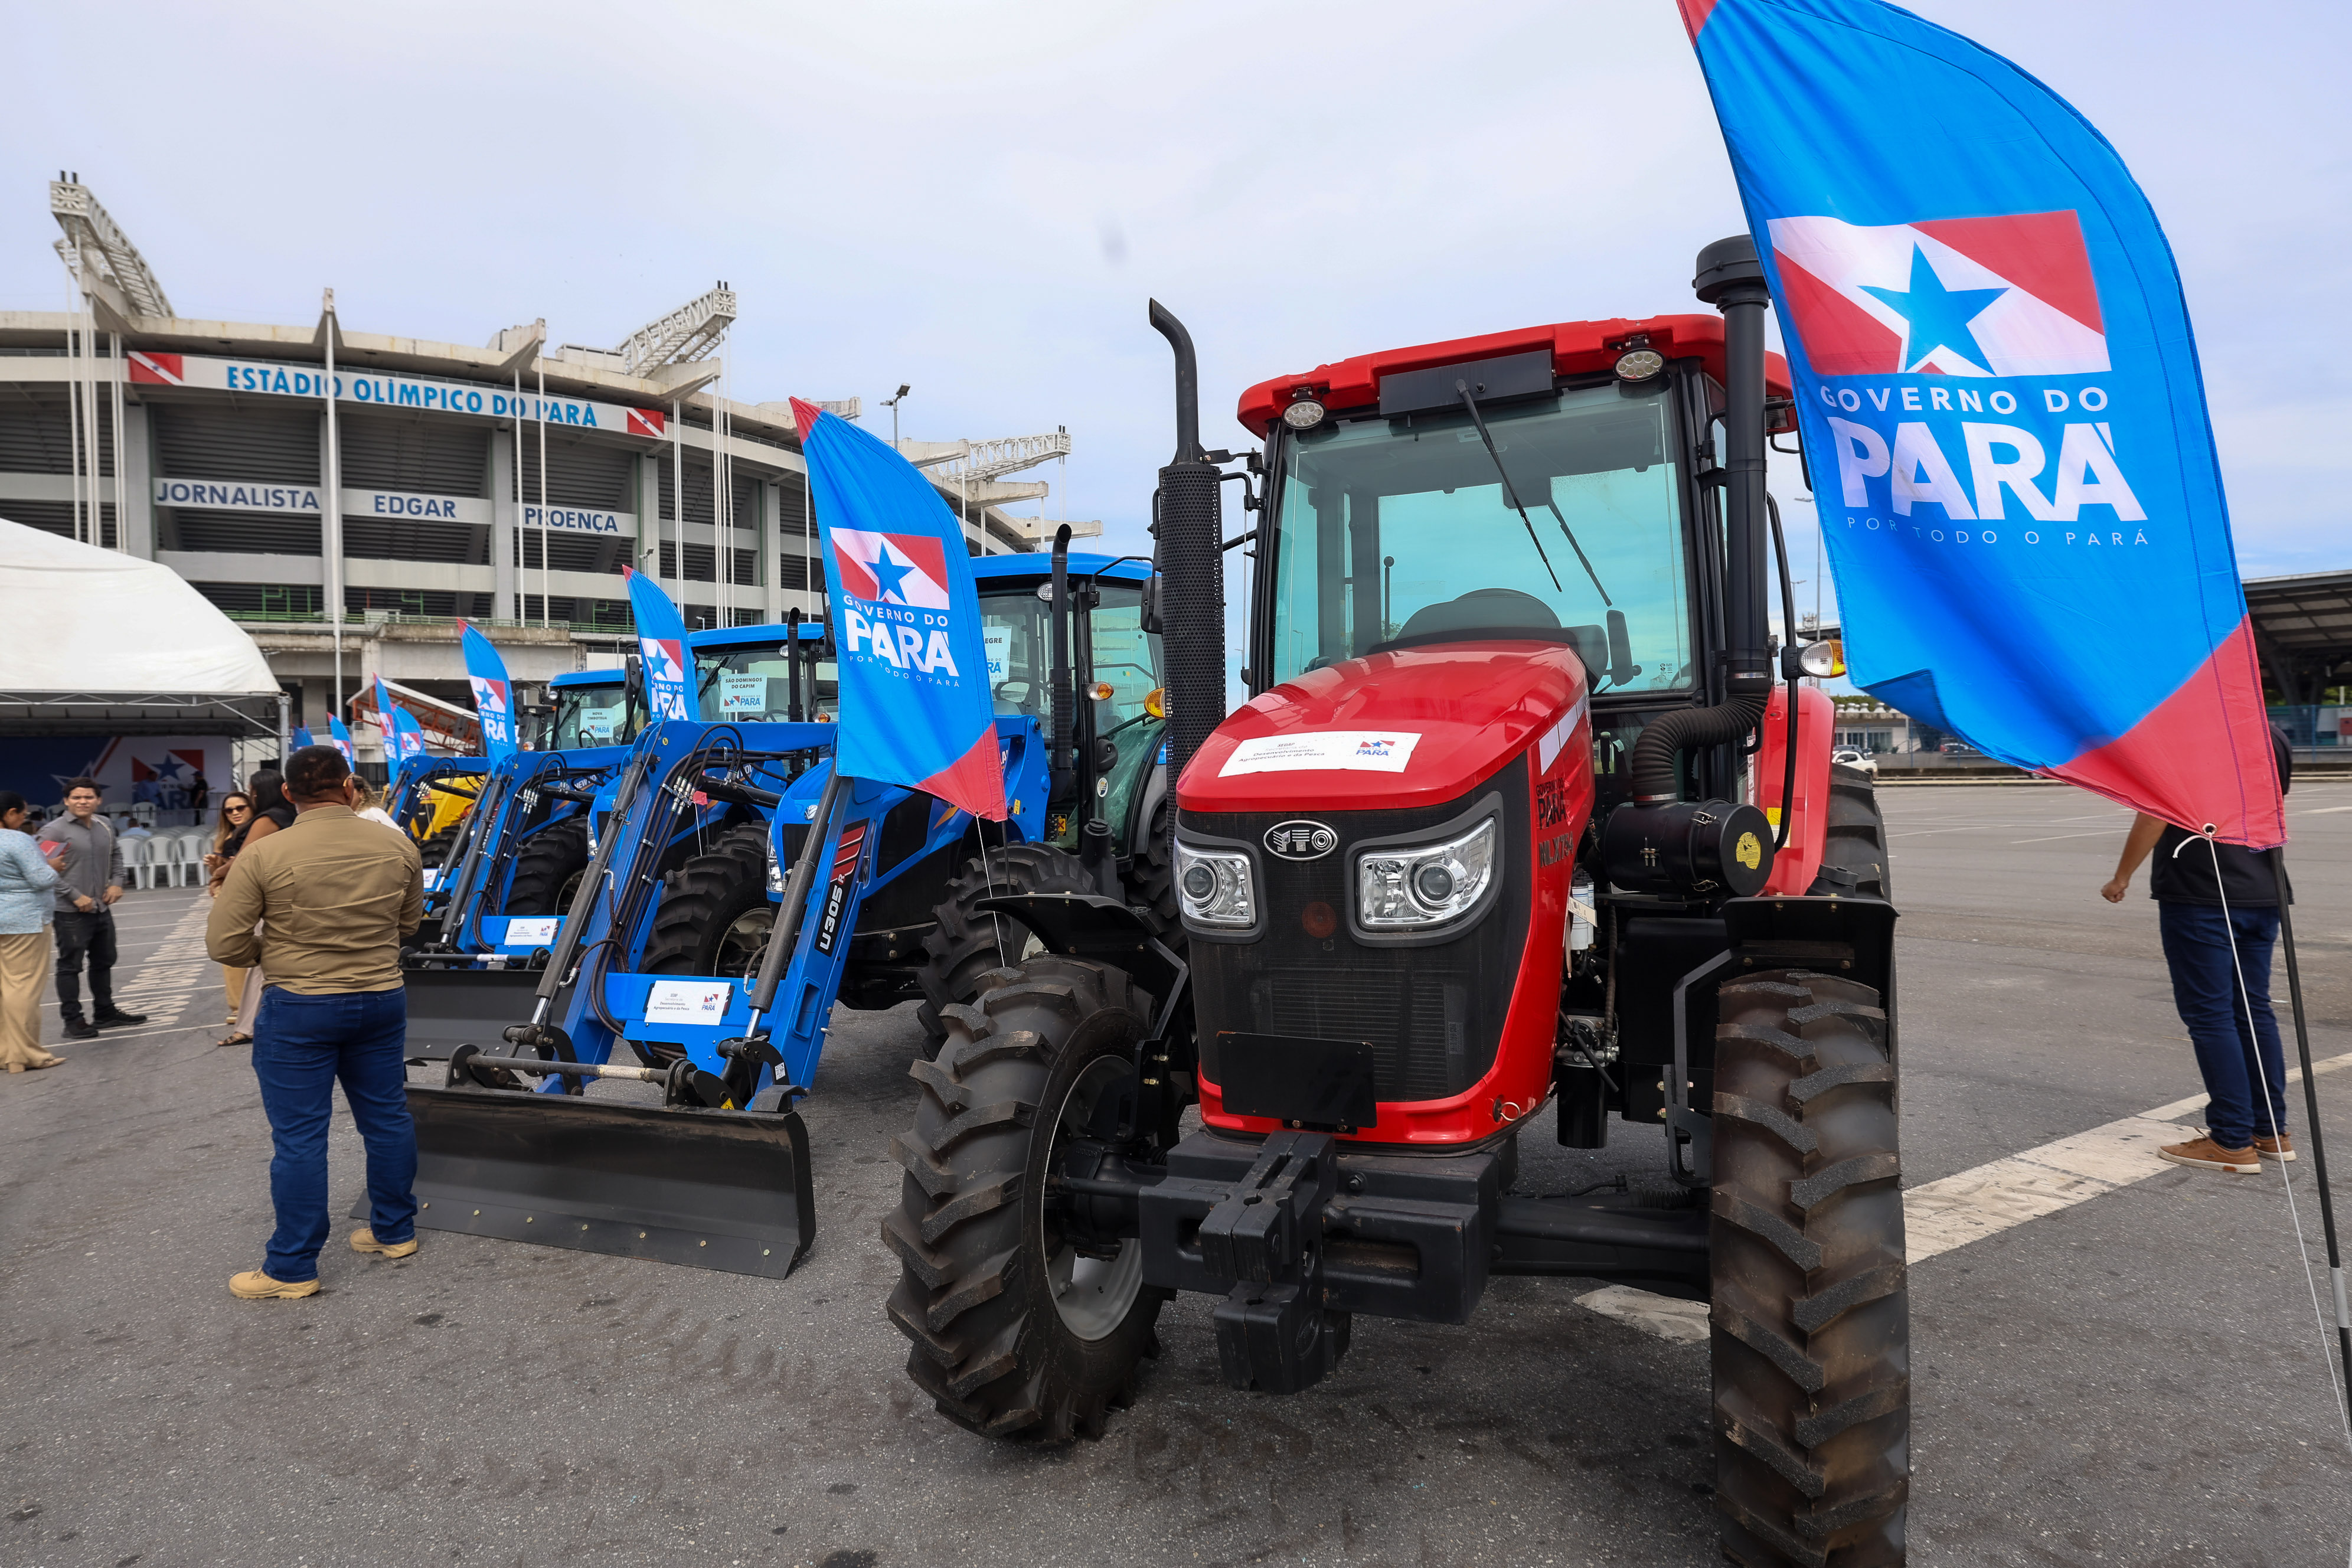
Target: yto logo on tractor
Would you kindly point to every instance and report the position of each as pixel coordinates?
(1301, 840)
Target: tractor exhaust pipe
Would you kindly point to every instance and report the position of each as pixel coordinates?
(1188, 528)
(1714, 844)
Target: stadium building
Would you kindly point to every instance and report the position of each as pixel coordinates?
(508, 483)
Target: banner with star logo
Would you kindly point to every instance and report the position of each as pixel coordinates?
(916, 708)
(2001, 411)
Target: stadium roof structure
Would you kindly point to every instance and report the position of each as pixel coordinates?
(2302, 626)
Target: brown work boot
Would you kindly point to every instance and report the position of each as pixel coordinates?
(363, 1240)
(254, 1285)
(2206, 1154)
(2278, 1148)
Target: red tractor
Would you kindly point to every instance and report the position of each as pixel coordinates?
(1526, 810)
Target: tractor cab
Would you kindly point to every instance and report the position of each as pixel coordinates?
(594, 708)
(1544, 487)
(1117, 721)
(769, 674)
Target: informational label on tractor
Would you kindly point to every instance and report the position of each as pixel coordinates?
(688, 1001)
(536, 929)
(999, 640)
(1357, 750)
(741, 694)
(432, 878)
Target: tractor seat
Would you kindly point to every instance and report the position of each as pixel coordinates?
(1504, 612)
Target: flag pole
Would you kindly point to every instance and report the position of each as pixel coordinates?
(2310, 1116)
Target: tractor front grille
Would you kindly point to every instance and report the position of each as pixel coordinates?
(1432, 1013)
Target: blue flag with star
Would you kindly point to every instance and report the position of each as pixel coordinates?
(2002, 412)
(916, 708)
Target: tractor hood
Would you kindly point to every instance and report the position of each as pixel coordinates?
(1414, 727)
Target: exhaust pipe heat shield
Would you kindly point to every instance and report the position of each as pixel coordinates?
(725, 1190)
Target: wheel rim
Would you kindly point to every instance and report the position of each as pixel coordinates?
(569, 891)
(1091, 1295)
(743, 942)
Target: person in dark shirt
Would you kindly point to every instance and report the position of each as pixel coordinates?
(2218, 909)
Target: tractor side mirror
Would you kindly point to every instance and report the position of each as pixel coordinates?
(1151, 605)
(1622, 667)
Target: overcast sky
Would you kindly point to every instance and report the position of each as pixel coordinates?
(979, 198)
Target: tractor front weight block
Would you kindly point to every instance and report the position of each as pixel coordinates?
(725, 1190)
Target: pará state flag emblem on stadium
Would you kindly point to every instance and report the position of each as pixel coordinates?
(1964, 295)
(916, 705)
(891, 568)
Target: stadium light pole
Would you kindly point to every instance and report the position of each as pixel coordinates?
(892, 404)
(334, 503)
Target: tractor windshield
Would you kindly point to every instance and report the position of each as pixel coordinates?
(1018, 624)
(1390, 528)
(593, 716)
(752, 683)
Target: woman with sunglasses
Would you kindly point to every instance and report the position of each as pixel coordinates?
(235, 815)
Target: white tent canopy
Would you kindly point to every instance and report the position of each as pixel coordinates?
(97, 637)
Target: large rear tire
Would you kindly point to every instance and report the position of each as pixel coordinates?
(715, 915)
(435, 848)
(968, 942)
(1854, 849)
(548, 869)
(1016, 1332)
(1811, 1315)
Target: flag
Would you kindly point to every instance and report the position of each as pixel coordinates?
(340, 739)
(402, 737)
(661, 643)
(302, 737)
(493, 694)
(2000, 408)
(915, 703)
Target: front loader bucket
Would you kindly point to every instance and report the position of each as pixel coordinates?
(727, 1190)
(453, 1007)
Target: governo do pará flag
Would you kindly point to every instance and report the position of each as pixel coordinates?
(2001, 407)
(915, 703)
(661, 646)
(485, 673)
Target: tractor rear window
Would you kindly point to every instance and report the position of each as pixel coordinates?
(1391, 528)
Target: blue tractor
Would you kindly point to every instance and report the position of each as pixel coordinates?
(738, 887)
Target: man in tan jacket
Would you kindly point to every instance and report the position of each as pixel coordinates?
(333, 894)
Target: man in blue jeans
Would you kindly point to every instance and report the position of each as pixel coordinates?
(2218, 909)
(332, 895)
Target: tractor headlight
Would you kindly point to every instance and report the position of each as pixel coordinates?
(1304, 415)
(1216, 887)
(1410, 888)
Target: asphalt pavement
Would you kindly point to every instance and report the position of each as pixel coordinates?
(2136, 1378)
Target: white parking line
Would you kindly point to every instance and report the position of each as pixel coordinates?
(1995, 1197)
(2101, 833)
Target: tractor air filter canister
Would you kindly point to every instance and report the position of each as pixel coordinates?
(1708, 846)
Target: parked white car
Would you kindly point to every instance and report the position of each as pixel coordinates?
(1854, 759)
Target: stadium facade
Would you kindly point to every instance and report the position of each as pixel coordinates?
(508, 484)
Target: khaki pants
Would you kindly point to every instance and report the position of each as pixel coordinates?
(23, 965)
(234, 980)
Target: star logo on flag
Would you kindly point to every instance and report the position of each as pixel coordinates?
(888, 573)
(1936, 317)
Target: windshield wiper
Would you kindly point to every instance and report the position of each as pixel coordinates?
(1511, 495)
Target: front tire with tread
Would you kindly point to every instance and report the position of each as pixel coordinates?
(1810, 1310)
(967, 942)
(977, 1290)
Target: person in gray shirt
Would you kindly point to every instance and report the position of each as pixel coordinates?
(91, 881)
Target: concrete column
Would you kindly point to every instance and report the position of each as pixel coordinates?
(647, 490)
(772, 544)
(503, 523)
(138, 461)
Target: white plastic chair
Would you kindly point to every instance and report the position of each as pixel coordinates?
(138, 858)
(187, 858)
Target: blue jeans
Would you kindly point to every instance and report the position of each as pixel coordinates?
(301, 1045)
(2196, 948)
